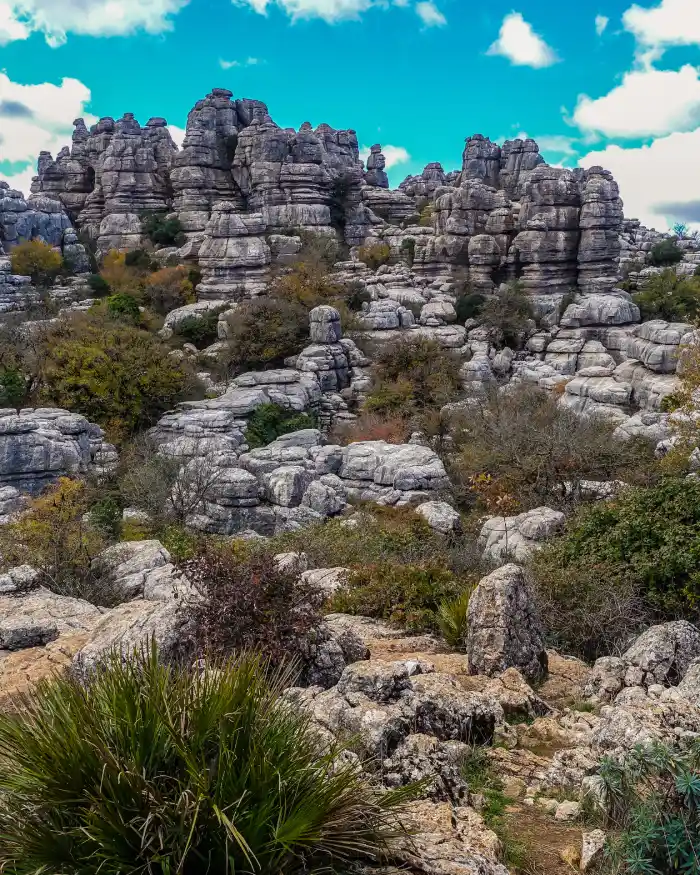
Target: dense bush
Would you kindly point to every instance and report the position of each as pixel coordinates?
(452, 618)
(13, 387)
(98, 285)
(270, 421)
(669, 297)
(164, 770)
(162, 230)
(522, 449)
(408, 248)
(374, 254)
(412, 376)
(262, 333)
(372, 427)
(468, 306)
(621, 563)
(652, 801)
(123, 307)
(115, 374)
(202, 330)
(37, 260)
(122, 278)
(507, 314)
(408, 595)
(306, 284)
(425, 219)
(665, 252)
(168, 288)
(53, 537)
(244, 601)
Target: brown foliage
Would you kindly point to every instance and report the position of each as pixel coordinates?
(370, 427)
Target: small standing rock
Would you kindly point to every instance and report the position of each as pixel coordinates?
(592, 849)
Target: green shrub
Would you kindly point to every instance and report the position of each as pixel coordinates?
(162, 231)
(469, 306)
(356, 294)
(263, 332)
(620, 564)
(426, 216)
(98, 285)
(37, 260)
(159, 769)
(140, 260)
(452, 618)
(665, 252)
(201, 330)
(13, 387)
(270, 421)
(124, 306)
(408, 595)
(408, 246)
(374, 255)
(508, 314)
(106, 517)
(168, 288)
(669, 297)
(652, 800)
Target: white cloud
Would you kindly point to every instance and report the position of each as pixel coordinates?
(178, 135)
(669, 23)
(56, 20)
(601, 23)
(660, 182)
(429, 14)
(328, 10)
(558, 144)
(247, 62)
(35, 118)
(518, 42)
(394, 155)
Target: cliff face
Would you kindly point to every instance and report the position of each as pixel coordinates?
(239, 177)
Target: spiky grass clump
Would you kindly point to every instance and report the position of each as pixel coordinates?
(161, 770)
(452, 618)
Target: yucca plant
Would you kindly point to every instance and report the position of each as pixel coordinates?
(652, 800)
(452, 618)
(162, 770)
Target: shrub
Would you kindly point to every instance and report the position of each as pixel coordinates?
(408, 247)
(37, 260)
(408, 595)
(356, 294)
(270, 421)
(374, 255)
(652, 801)
(413, 375)
(306, 284)
(370, 427)
(319, 250)
(452, 618)
(468, 306)
(246, 602)
(140, 260)
(622, 563)
(262, 333)
(665, 252)
(508, 314)
(121, 277)
(115, 374)
(162, 230)
(169, 288)
(201, 330)
(52, 536)
(521, 443)
(13, 387)
(98, 285)
(669, 297)
(124, 306)
(426, 216)
(160, 769)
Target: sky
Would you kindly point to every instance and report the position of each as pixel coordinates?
(609, 82)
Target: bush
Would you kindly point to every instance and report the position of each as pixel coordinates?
(140, 260)
(408, 595)
(370, 427)
(52, 536)
(201, 330)
(121, 277)
(159, 769)
(262, 333)
(162, 230)
(426, 216)
(508, 314)
(374, 255)
(356, 294)
(665, 252)
(317, 249)
(452, 618)
(98, 285)
(246, 602)
(13, 387)
(306, 285)
(412, 376)
(621, 564)
(652, 801)
(522, 444)
(37, 260)
(669, 297)
(408, 247)
(124, 306)
(270, 421)
(469, 306)
(169, 288)
(115, 374)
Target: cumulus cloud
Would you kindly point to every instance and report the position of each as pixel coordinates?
(648, 102)
(178, 135)
(246, 62)
(36, 118)
(430, 15)
(669, 23)
(518, 42)
(659, 182)
(19, 18)
(558, 144)
(394, 155)
(328, 10)
(601, 23)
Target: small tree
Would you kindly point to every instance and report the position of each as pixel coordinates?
(374, 254)
(508, 314)
(121, 277)
(169, 288)
(262, 333)
(670, 297)
(665, 252)
(37, 260)
(162, 230)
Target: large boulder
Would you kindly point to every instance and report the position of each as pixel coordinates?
(503, 630)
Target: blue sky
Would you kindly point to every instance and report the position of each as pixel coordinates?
(597, 81)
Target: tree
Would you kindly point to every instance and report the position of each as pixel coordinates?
(162, 230)
(37, 260)
(262, 333)
(670, 297)
(167, 769)
(680, 229)
(169, 288)
(508, 314)
(121, 277)
(665, 252)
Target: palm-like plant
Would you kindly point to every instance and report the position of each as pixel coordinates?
(162, 770)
